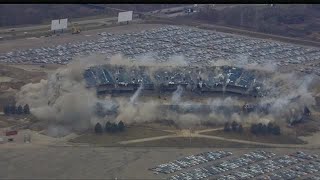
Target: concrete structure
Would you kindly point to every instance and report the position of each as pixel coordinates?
(112, 79)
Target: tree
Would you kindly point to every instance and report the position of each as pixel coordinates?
(234, 126)
(108, 127)
(276, 130)
(6, 110)
(114, 127)
(26, 109)
(264, 129)
(240, 128)
(121, 126)
(270, 127)
(226, 127)
(306, 111)
(254, 129)
(98, 128)
(13, 109)
(19, 110)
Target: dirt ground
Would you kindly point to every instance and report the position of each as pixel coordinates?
(96, 163)
(16, 77)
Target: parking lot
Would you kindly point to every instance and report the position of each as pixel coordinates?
(258, 164)
(189, 161)
(196, 46)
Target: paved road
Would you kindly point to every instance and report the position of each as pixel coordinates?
(8, 31)
(47, 26)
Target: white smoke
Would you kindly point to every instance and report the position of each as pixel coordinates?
(176, 96)
(64, 101)
(134, 97)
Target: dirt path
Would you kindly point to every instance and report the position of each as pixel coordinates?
(148, 139)
(38, 139)
(207, 130)
(249, 142)
(188, 133)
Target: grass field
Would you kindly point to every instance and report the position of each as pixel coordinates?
(246, 135)
(307, 129)
(193, 142)
(108, 139)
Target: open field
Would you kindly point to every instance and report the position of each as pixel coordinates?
(246, 135)
(194, 142)
(139, 136)
(16, 77)
(108, 139)
(307, 129)
(97, 162)
(19, 74)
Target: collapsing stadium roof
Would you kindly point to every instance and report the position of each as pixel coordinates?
(112, 78)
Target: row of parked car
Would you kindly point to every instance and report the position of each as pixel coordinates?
(296, 172)
(260, 165)
(222, 167)
(258, 169)
(190, 161)
(197, 46)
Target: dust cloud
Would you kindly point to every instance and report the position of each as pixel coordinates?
(67, 105)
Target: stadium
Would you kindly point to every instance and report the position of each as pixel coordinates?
(116, 79)
(248, 89)
(189, 91)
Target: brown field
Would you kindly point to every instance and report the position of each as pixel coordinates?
(246, 135)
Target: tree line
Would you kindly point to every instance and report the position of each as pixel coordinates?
(13, 109)
(263, 129)
(109, 127)
(234, 127)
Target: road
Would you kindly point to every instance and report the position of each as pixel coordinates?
(34, 30)
(47, 26)
(97, 23)
(103, 22)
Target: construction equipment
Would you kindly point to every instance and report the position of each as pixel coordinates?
(75, 30)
